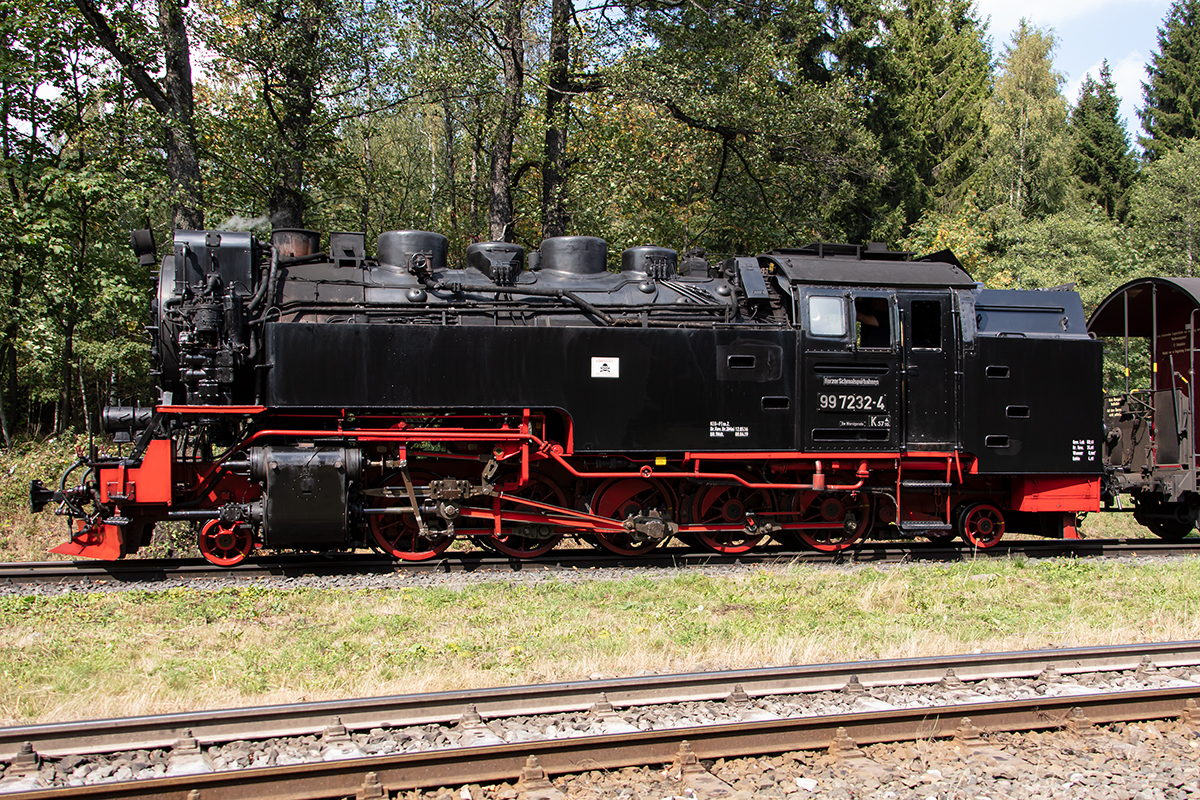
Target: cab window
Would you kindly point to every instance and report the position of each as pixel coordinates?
(873, 318)
(826, 316)
(927, 324)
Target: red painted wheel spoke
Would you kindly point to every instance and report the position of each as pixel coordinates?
(730, 505)
(398, 535)
(981, 524)
(848, 517)
(621, 498)
(512, 542)
(225, 545)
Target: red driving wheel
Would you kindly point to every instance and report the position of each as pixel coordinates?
(515, 540)
(730, 505)
(398, 534)
(621, 498)
(844, 518)
(981, 524)
(225, 545)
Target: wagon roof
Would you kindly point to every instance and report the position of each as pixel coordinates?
(1170, 295)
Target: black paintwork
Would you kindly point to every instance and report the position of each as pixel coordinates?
(676, 389)
(930, 347)
(898, 356)
(733, 365)
(306, 491)
(1034, 405)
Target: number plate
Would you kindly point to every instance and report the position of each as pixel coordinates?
(851, 402)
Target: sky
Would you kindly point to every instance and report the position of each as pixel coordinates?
(1123, 31)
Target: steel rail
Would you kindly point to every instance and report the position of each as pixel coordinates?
(129, 570)
(457, 766)
(224, 725)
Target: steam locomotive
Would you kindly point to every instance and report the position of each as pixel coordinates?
(329, 400)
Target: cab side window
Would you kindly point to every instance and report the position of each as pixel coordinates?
(927, 324)
(826, 316)
(872, 317)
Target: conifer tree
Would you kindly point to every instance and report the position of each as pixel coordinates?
(1101, 156)
(937, 74)
(1172, 92)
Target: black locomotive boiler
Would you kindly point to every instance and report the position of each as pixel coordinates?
(328, 400)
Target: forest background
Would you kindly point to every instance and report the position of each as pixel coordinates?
(732, 125)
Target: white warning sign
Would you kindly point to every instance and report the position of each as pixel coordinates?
(606, 367)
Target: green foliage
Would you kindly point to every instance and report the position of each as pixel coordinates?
(1028, 145)
(966, 231)
(1101, 157)
(756, 109)
(1166, 210)
(291, 70)
(1171, 96)
(935, 79)
(28, 460)
(77, 174)
(1085, 249)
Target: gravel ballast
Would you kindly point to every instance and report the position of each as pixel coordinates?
(1147, 761)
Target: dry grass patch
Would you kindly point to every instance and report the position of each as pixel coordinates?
(98, 655)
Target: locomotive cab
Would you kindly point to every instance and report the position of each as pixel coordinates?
(880, 352)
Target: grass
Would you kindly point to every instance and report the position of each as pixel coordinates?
(97, 655)
(25, 536)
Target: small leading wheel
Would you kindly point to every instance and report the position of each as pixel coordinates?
(225, 545)
(523, 540)
(981, 524)
(397, 534)
(622, 498)
(730, 505)
(848, 516)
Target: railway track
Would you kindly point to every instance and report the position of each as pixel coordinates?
(749, 712)
(150, 570)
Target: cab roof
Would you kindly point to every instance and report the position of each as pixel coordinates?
(868, 265)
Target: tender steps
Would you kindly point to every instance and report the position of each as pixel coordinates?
(919, 525)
